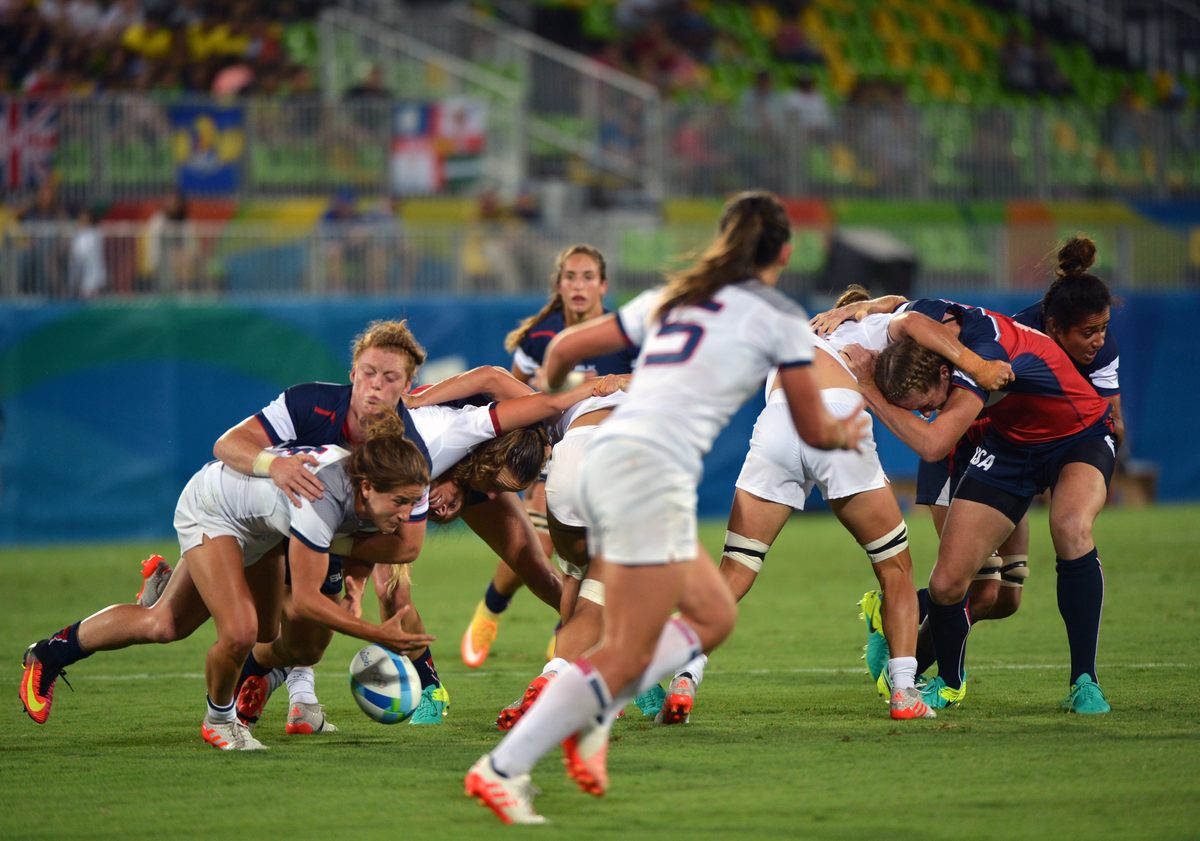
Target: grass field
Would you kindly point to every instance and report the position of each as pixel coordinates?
(788, 739)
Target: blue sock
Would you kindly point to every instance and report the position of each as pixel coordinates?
(922, 604)
(62, 649)
(494, 600)
(1080, 599)
(426, 670)
(950, 624)
(251, 667)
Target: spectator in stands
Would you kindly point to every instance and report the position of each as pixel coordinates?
(1018, 71)
(791, 44)
(1126, 122)
(120, 16)
(1050, 79)
(170, 256)
(353, 250)
(43, 269)
(86, 271)
(805, 108)
(149, 38)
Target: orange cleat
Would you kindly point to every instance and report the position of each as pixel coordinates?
(511, 714)
(585, 756)
(677, 708)
(37, 685)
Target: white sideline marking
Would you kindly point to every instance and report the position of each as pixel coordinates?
(811, 670)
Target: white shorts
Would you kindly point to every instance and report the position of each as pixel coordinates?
(782, 468)
(562, 476)
(640, 506)
(200, 512)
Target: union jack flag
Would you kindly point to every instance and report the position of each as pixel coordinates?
(28, 136)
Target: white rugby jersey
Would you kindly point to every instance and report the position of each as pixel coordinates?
(451, 433)
(871, 333)
(587, 404)
(702, 362)
(261, 509)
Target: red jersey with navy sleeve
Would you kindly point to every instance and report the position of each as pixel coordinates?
(1048, 400)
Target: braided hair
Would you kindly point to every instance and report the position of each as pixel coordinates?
(906, 368)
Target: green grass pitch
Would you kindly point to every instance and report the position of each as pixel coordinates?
(788, 739)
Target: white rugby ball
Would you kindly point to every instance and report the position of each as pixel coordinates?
(384, 684)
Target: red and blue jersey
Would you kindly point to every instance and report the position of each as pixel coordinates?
(1048, 400)
(531, 351)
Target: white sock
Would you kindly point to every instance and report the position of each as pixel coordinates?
(569, 703)
(902, 671)
(695, 668)
(556, 665)
(677, 645)
(221, 715)
(301, 684)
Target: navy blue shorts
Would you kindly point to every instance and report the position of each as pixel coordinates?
(1021, 472)
(933, 475)
(931, 478)
(331, 586)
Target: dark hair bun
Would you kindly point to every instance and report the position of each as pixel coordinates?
(1076, 256)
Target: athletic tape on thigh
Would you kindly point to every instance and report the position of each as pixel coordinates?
(747, 551)
(990, 571)
(592, 590)
(1014, 571)
(888, 546)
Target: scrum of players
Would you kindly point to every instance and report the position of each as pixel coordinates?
(330, 486)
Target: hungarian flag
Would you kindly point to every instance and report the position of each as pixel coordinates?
(28, 135)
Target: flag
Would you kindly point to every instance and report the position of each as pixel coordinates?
(28, 137)
(208, 143)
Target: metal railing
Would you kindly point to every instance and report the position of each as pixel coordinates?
(579, 113)
(62, 260)
(945, 152)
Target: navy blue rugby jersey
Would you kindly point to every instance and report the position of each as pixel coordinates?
(315, 414)
(531, 352)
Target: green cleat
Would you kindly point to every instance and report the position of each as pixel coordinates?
(434, 705)
(938, 696)
(1086, 698)
(876, 651)
(651, 701)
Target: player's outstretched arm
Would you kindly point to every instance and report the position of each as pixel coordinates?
(244, 448)
(308, 569)
(826, 322)
(594, 337)
(989, 374)
(540, 406)
(931, 441)
(486, 379)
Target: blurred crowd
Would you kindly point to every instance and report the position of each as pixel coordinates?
(172, 46)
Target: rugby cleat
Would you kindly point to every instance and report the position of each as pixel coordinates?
(479, 636)
(433, 707)
(585, 756)
(156, 573)
(677, 708)
(1086, 698)
(510, 798)
(306, 719)
(37, 683)
(229, 735)
(908, 704)
(651, 701)
(876, 652)
(251, 698)
(937, 695)
(511, 714)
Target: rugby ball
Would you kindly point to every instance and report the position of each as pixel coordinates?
(384, 685)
